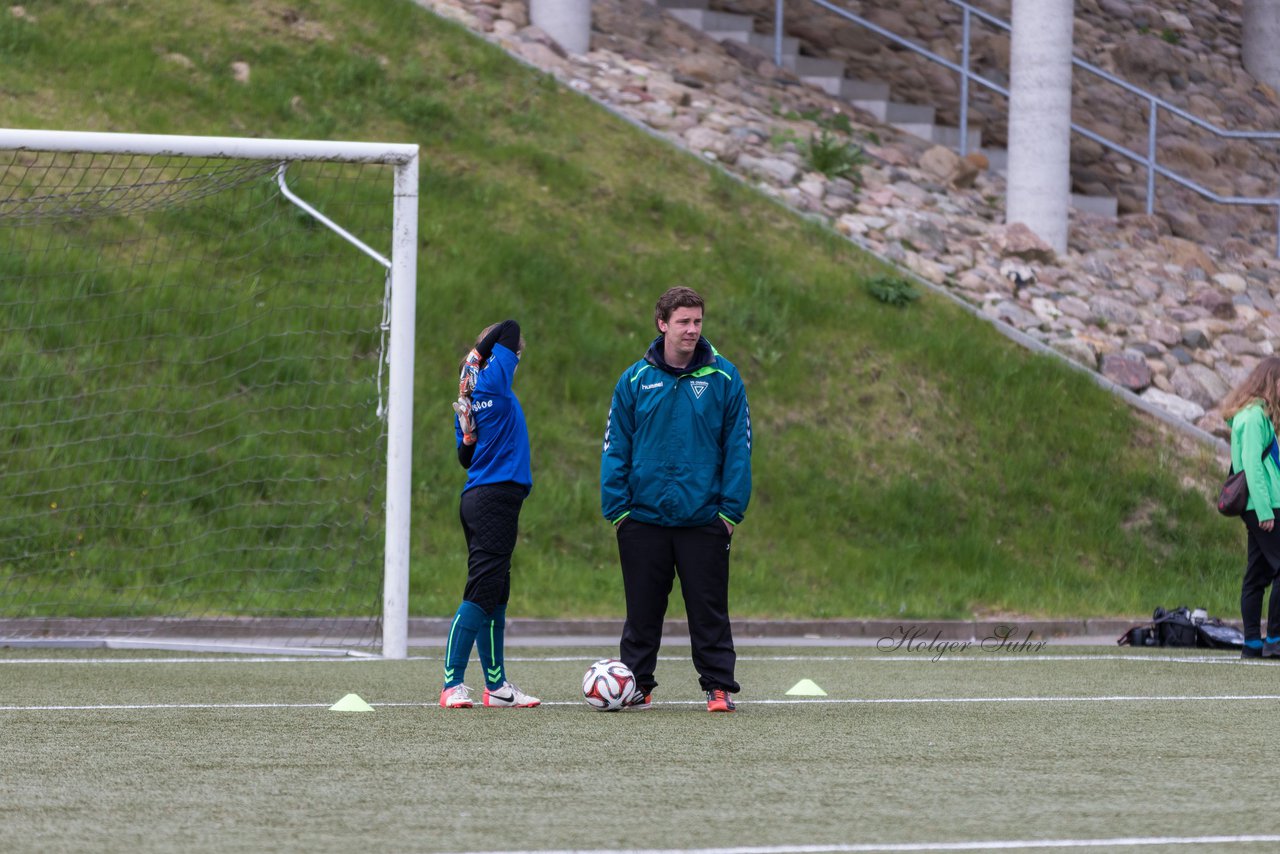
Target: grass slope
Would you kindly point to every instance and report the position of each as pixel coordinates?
(907, 461)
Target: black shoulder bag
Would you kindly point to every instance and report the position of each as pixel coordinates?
(1233, 498)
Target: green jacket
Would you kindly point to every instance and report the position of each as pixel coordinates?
(677, 448)
(1251, 434)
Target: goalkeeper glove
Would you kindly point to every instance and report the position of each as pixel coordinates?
(466, 420)
(470, 373)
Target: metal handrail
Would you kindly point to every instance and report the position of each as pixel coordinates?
(1149, 161)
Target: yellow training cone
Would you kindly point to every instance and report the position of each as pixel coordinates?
(806, 688)
(351, 703)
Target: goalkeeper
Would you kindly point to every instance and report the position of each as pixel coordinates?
(493, 446)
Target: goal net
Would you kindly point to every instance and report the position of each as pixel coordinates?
(205, 366)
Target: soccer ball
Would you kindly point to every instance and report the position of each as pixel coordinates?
(608, 685)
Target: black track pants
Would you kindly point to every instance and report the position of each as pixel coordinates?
(490, 517)
(1259, 574)
(651, 557)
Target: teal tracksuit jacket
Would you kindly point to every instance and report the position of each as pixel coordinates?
(677, 448)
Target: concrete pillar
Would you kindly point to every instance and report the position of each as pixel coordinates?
(568, 22)
(1040, 118)
(1261, 37)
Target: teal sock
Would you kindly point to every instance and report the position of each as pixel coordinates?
(490, 643)
(1273, 640)
(462, 636)
(1256, 643)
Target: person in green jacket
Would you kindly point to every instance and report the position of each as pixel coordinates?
(675, 479)
(1251, 408)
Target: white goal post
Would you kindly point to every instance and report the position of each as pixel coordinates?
(155, 201)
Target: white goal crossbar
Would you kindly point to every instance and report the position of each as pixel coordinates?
(402, 272)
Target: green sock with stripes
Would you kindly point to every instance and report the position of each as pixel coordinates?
(490, 644)
(462, 636)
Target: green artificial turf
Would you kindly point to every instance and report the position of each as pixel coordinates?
(980, 745)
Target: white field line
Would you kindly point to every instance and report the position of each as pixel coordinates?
(971, 658)
(906, 657)
(852, 701)
(871, 847)
(928, 657)
(222, 659)
(133, 707)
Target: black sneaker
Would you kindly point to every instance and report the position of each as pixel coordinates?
(1270, 649)
(1251, 651)
(640, 701)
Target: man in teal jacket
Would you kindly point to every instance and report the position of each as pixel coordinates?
(675, 479)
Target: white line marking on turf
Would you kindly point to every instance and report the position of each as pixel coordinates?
(871, 847)
(163, 706)
(927, 657)
(273, 659)
(909, 658)
(854, 701)
(942, 700)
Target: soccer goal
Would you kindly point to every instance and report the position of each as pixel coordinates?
(206, 391)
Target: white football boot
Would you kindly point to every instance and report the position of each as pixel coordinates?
(508, 696)
(457, 697)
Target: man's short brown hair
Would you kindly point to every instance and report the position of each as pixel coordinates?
(677, 297)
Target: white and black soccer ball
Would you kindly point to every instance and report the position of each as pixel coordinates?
(608, 685)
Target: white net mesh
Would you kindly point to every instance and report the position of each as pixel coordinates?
(191, 440)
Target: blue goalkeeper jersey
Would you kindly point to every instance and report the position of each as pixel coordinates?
(502, 438)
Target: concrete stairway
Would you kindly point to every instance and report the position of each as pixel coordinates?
(871, 96)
